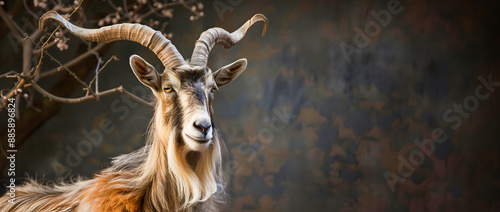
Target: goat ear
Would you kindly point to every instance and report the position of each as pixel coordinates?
(229, 72)
(145, 72)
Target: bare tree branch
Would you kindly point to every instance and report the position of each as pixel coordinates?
(13, 27)
(151, 105)
(29, 72)
(29, 10)
(29, 101)
(27, 50)
(8, 74)
(49, 45)
(97, 74)
(118, 89)
(76, 60)
(164, 6)
(62, 9)
(125, 7)
(86, 87)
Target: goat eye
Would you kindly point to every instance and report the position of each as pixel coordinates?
(213, 89)
(168, 89)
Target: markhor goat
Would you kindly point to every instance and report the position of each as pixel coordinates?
(179, 169)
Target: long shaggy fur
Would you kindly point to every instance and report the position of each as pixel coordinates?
(162, 176)
(179, 169)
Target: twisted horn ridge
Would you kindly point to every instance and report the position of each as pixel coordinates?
(218, 35)
(146, 36)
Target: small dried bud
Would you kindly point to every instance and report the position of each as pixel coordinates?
(119, 9)
(167, 13)
(191, 18)
(200, 5)
(101, 22)
(193, 8)
(170, 35)
(62, 44)
(26, 96)
(202, 14)
(42, 5)
(19, 90)
(114, 20)
(2, 3)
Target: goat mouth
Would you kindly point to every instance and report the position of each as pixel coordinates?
(198, 140)
(192, 158)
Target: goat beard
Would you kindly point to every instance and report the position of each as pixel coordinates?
(192, 158)
(193, 171)
(194, 175)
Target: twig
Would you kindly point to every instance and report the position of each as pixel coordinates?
(52, 34)
(13, 27)
(51, 44)
(29, 101)
(74, 61)
(8, 74)
(105, 64)
(35, 35)
(96, 74)
(17, 30)
(29, 10)
(62, 9)
(86, 87)
(60, 66)
(125, 7)
(27, 49)
(170, 4)
(77, 7)
(119, 89)
(112, 5)
(138, 99)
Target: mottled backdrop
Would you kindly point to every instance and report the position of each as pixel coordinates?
(332, 110)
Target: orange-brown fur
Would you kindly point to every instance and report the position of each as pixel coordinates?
(129, 184)
(180, 168)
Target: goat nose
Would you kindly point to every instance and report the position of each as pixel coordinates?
(203, 125)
